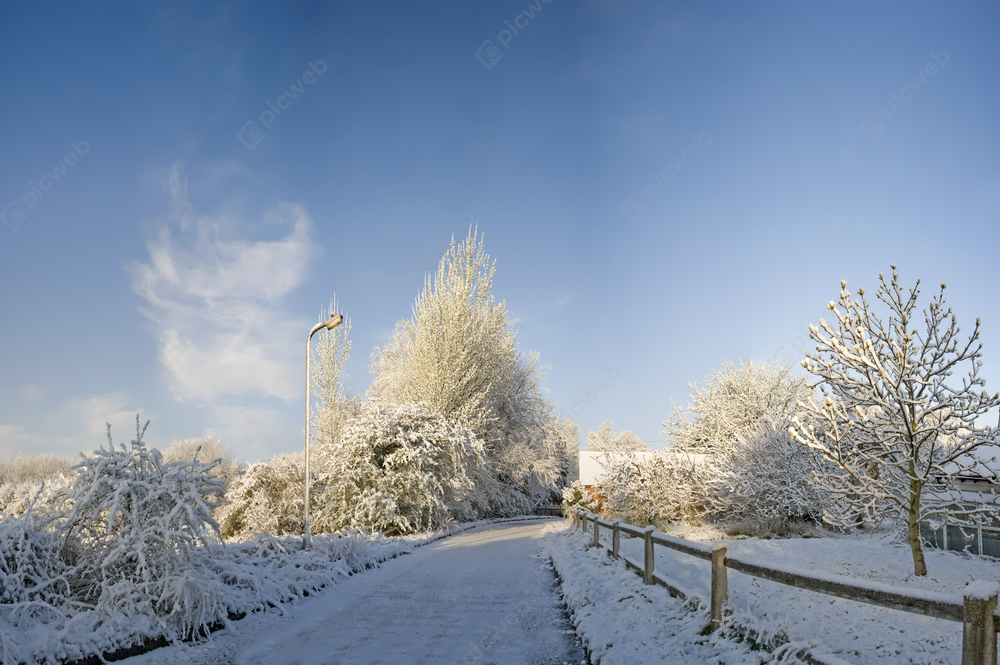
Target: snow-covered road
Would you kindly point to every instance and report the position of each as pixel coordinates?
(485, 596)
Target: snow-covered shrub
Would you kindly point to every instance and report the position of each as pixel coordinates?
(577, 496)
(44, 496)
(34, 584)
(137, 534)
(399, 468)
(763, 475)
(22, 478)
(31, 570)
(665, 487)
(267, 497)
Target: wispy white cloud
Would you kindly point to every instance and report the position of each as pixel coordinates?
(565, 300)
(216, 301)
(15, 439)
(258, 432)
(30, 392)
(86, 419)
(91, 416)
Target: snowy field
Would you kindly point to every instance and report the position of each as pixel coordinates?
(486, 596)
(834, 630)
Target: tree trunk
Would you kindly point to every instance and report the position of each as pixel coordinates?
(912, 515)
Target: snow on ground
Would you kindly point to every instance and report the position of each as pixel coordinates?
(624, 622)
(851, 631)
(486, 596)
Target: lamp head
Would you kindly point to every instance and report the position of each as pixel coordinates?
(335, 320)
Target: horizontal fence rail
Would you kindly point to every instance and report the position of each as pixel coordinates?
(975, 610)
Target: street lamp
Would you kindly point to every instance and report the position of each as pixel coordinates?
(334, 321)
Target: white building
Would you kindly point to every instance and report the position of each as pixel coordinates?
(591, 471)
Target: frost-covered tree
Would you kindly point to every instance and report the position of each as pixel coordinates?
(207, 447)
(562, 444)
(762, 475)
(334, 406)
(400, 468)
(604, 440)
(268, 497)
(895, 425)
(723, 461)
(34, 468)
(458, 356)
(734, 398)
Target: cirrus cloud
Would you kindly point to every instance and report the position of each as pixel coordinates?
(216, 300)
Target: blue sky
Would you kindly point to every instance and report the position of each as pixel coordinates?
(664, 186)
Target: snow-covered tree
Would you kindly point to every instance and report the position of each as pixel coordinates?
(34, 468)
(562, 444)
(604, 440)
(734, 399)
(458, 356)
(762, 475)
(896, 427)
(207, 447)
(334, 406)
(725, 461)
(268, 497)
(400, 468)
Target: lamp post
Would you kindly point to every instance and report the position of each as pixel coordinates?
(334, 321)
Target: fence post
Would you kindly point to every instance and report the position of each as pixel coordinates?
(614, 538)
(583, 525)
(720, 583)
(979, 637)
(647, 576)
(597, 537)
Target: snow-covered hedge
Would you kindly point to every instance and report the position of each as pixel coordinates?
(129, 552)
(267, 497)
(400, 468)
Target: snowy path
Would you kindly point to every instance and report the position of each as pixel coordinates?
(485, 596)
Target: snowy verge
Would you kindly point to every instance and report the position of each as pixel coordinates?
(621, 620)
(833, 629)
(250, 576)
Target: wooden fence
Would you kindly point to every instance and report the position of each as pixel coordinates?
(975, 609)
(551, 510)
